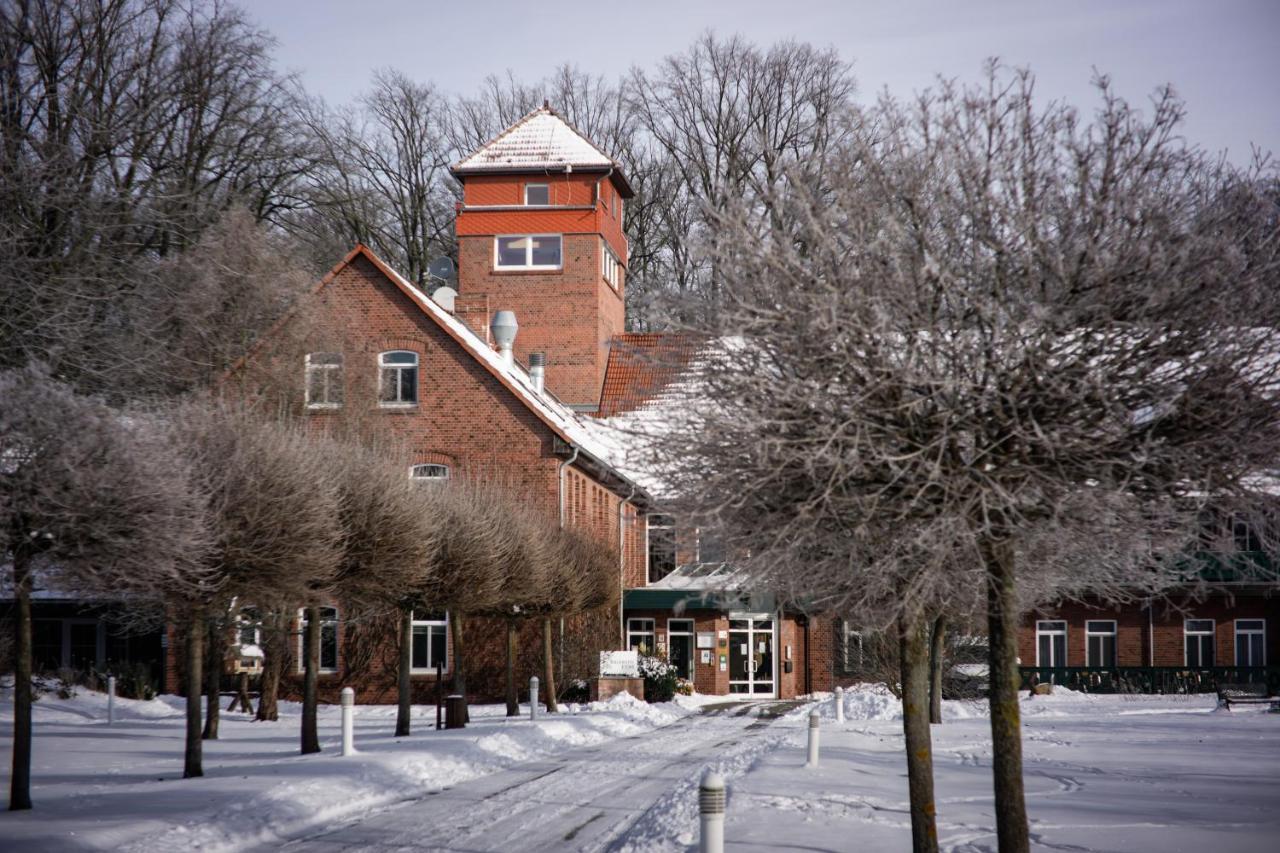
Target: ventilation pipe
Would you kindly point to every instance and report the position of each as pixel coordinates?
(504, 328)
(537, 369)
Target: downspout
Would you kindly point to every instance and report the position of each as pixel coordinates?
(560, 480)
(808, 667)
(622, 567)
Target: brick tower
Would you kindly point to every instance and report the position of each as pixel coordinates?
(540, 233)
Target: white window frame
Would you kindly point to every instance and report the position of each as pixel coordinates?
(528, 203)
(528, 252)
(328, 371)
(1114, 634)
(243, 622)
(430, 623)
(1261, 630)
(1212, 634)
(326, 621)
(633, 631)
(1053, 632)
(610, 266)
(398, 367)
(429, 472)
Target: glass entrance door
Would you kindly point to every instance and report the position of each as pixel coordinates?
(751, 655)
(680, 646)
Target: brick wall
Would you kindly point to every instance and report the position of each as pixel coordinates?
(1137, 627)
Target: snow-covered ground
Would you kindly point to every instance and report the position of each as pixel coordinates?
(1103, 773)
(121, 787)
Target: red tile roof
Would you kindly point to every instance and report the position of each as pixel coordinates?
(640, 366)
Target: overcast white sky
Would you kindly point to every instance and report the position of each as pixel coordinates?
(1223, 56)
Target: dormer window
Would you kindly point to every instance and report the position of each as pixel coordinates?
(527, 252)
(537, 195)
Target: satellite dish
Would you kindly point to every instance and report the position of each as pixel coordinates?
(441, 268)
(444, 297)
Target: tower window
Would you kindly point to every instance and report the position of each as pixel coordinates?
(528, 251)
(537, 194)
(610, 268)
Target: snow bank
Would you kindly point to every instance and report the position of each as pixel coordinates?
(119, 787)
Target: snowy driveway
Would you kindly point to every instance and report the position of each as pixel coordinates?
(612, 796)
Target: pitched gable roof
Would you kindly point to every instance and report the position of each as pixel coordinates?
(640, 366)
(541, 141)
(564, 423)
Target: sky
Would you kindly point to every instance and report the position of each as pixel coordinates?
(1222, 56)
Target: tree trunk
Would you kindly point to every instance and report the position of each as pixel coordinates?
(311, 676)
(242, 694)
(548, 668)
(913, 657)
(404, 692)
(513, 697)
(459, 659)
(937, 652)
(20, 782)
(276, 649)
(194, 765)
(213, 676)
(1006, 735)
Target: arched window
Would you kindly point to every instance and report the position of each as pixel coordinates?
(398, 378)
(429, 472)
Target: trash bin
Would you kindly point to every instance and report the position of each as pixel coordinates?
(455, 711)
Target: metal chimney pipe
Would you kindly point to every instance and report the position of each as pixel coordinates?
(537, 369)
(504, 328)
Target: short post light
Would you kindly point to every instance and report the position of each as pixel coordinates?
(348, 721)
(711, 802)
(813, 739)
(111, 700)
(533, 698)
(839, 704)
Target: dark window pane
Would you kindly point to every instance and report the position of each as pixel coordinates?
(399, 358)
(662, 553)
(389, 380)
(409, 385)
(511, 251)
(537, 194)
(438, 647)
(46, 640)
(329, 647)
(421, 646)
(546, 251)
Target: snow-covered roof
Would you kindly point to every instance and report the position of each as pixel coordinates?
(540, 140)
(572, 427)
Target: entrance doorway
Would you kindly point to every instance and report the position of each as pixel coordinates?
(680, 646)
(751, 659)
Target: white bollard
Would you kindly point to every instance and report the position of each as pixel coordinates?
(111, 700)
(813, 740)
(533, 698)
(711, 799)
(839, 704)
(348, 721)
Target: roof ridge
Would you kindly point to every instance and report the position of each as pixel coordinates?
(508, 130)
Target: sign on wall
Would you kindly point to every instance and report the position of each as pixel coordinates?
(620, 664)
(706, 639)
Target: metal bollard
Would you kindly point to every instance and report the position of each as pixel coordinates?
(711, 799)
(813, 740)
(348, 721)
(111, 700)
(839, 704)
(533, 698)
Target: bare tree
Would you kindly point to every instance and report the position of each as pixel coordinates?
(1020, 337)
(273, 507)
(80, 487)
(126, 128)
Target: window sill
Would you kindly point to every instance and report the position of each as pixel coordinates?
(527, 270)
(324, 407)
(397, 407)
